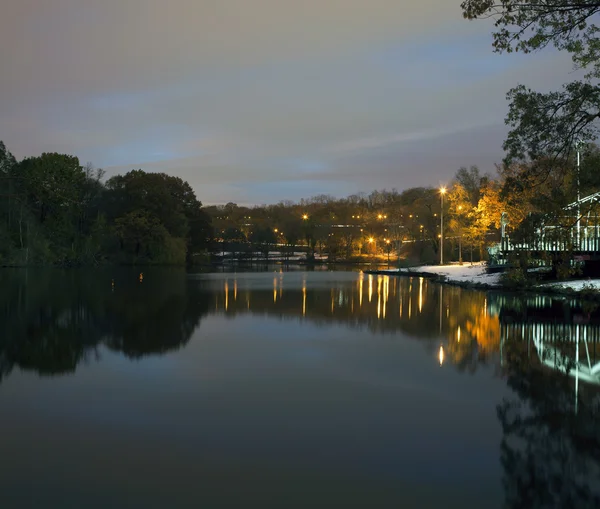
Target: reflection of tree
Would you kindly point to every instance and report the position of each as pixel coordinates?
(55, 319)
(550, 453)
(156, 316)
(473, 333)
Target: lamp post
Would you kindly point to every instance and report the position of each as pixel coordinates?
(460, 235)
(388, 247)
(371, 241)
(442, 193)
(578, 146)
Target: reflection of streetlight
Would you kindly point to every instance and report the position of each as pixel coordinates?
(441, 355)
(442, 193)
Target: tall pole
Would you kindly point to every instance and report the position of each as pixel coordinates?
(442, 192)
(578, 198)
(460, 235)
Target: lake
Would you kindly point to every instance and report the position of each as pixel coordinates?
(292, 388)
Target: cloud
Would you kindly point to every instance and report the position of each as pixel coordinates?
(260, 100)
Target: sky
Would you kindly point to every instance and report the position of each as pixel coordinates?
(259, 101)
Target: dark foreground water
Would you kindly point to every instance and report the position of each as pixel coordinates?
(292, 389)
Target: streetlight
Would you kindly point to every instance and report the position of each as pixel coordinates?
(371, 240)
(442, 193)
(460, 235)
(578, 147)
(305, 216)
(388, 245)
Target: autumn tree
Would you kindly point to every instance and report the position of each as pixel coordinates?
(461, 213)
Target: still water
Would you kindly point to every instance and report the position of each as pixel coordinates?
(292, 389)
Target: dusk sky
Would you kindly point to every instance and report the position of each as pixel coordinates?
(258, 101)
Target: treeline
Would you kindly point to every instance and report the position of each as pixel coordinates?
(409, 222)
(367, 225)
(53, 210)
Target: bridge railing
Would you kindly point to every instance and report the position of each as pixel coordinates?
(586, 243)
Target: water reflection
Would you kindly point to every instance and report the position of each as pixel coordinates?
(55, 319)
(52, 320)
(472, 326)
(384, 305)
(545, 349)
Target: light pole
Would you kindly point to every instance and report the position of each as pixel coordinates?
(578, 146)
(442, 193)
(371, 240)
(460, 235)
(389, 247)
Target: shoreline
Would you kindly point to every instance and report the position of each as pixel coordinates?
(552, 289)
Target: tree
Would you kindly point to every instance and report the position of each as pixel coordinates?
(461, 212)
(263, 239)
(141, 234)
(8, 202)
(168, 200)
(547, 124)
(292, 232)
(472, 182)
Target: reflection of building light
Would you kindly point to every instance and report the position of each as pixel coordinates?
(458, 334)
(400, 307)
(441, 355)
(274, 289)
(420, 294)
(378, 305)
(360, 291)
(226, 295)
(370, 286)
(387, 287)
(332, 300)
(235, 289)
(303, 300)
(409, 306)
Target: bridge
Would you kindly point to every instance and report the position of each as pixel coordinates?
(576, 231)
